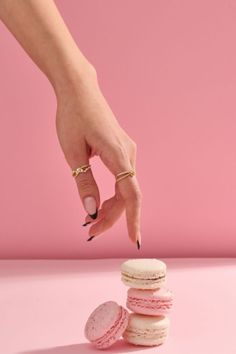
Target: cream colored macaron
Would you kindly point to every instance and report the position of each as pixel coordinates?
(143, 273)
(147, 330)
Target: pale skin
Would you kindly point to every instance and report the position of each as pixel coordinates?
(85, 124)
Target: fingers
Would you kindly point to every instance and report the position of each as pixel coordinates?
(86, 184)
(120, 159)
(128, 195)
(88, 191)
(129, 191)
(112, 209)
(89, 220)
(109, 213)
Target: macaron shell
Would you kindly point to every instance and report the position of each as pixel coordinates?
(150, 302)
(101, 320)
(115, 332)
(142, 267)
(161, 293)
(106, 324)
(143, 273)
(147, 330)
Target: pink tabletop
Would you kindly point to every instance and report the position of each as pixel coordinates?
(45, 304)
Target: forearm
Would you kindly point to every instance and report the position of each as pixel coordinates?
(41, 31)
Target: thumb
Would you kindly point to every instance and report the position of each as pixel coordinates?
(88, 189)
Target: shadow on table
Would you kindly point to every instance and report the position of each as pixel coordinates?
(86, 348)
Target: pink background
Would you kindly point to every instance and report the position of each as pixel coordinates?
(168, 71)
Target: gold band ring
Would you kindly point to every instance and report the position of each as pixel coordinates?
(124, 174)
(81, 169)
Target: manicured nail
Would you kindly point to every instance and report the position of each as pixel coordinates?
(138, 245)
(90, 238)
(93, 216)
(88, 222)
(90, 206)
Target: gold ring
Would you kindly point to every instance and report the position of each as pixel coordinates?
(124, 174)
(81, 169)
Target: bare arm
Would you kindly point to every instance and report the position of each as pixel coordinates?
(39, 28)
(86, 126)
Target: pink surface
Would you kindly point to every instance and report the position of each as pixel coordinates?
(43, 308)
(168, 71)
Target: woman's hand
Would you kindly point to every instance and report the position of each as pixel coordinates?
(87, 127)
(85, 124)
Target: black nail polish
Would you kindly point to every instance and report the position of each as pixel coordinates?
(90, 238)
(93, 216)
(138, 245)
(88, 222)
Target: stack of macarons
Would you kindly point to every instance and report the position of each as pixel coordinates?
(148, 300)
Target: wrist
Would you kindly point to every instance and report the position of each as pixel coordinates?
(73, 79)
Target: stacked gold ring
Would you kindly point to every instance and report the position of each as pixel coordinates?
(119, 176)
(81, 169)
(124, 174)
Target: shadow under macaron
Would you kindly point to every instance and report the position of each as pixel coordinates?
(87, 348)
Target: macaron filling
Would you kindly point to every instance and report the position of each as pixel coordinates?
(139, 276)
(114, 332)
(130, 280)
(147, 333)
(154, 304)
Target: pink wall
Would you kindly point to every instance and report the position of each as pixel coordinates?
(168, 71)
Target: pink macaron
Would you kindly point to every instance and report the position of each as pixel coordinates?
(106, 324)
(154, 302)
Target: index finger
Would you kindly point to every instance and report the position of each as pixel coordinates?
(117, 159)
(128, 188)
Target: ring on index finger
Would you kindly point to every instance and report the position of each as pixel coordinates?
(124, 174)
(81, 169)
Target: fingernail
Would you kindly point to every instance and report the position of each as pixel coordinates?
(90, 206)
(88, 222)
(93, 216)
(138, 240)
(90, 238)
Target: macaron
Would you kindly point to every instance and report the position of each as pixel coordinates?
(153, 302)
(143, 273)
(146, 330)
(106, 324)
